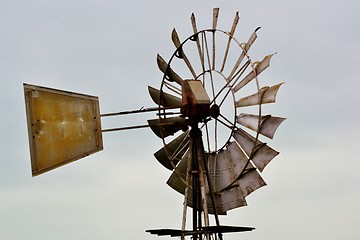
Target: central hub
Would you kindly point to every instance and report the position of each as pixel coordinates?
(195, 101)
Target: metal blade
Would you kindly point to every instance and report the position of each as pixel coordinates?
(164, 127)
(260, 153)
(167, 100)
(224, 170)
(177, 180)
(177, 183)
(228, 199)
(227, 166)
(235, 22)
(264, 96)
(180, 54)
(250, 181)
(214, 25)
(215, 17)
(231, 34)
(246, 48)
(171, 154)
(266, 125)
(196, 36)
(261, 66)
(163, 66)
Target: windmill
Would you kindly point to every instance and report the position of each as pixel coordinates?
(209, 117)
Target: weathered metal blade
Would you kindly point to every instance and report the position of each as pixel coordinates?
(214, 25)
(166, 69)
(193, 23)
(180, 53)
(265, 95)
(227, 199)
(231, 34)
(165, 127)
(171, 154)
(246, 48)
(200, 51)
(234, 25)
(215, 17)
(261, 66)
(177, 183)
(251, 40)
(226, 168)
(250, 181)
(177, 180)
(259, 153)
(266, 125)
(224, 200)
(164, 99)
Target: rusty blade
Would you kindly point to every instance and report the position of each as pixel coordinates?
(266, 125)
(250, 181)
(261, 66)
(228, 199)
(215, 20)
(215, 17)
(246, 48)
(164, 127)
(172, 153)
(180, 52)
(227, 167)
(259, 153)
(164, 99)
(193, 23)
(177, 180)
(235, 22)
(166, 69)
(231, 34)
(264, 96)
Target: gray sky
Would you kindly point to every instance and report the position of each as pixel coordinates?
(108, 49)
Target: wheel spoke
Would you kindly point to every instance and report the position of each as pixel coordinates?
(226, 119)
(207, 137)
(173, 88)
(231, 126)
(230, 83)
(224, 98)
(210, 72)
(240, 72)
(216, 134)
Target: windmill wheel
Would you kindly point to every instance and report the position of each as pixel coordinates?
(210, 81)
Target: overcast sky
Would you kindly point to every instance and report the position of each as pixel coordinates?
(108, 49)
